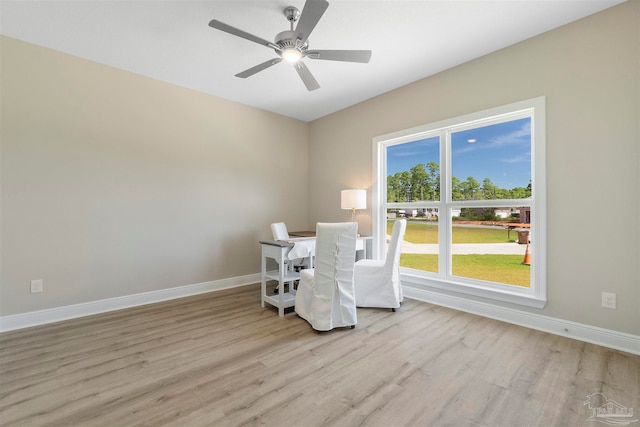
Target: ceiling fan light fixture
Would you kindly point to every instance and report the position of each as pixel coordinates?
(291, 55)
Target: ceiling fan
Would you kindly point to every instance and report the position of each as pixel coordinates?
(293, 45)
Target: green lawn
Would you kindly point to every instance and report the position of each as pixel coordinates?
(506, 269)
(426, 232)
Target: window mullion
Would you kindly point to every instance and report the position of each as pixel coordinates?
(444, 235)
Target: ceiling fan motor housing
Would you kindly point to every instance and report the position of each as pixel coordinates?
(287, 40)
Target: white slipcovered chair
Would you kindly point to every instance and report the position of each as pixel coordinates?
(377, 282)
(325, 296)
(305, 251)
(279, 230)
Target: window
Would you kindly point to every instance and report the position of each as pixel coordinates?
(472, 189)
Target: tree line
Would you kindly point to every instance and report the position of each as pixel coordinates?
(422, 182)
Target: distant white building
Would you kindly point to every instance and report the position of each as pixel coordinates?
(503, 213)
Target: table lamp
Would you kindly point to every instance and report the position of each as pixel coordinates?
(353, 199)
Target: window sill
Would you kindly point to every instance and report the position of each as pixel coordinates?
(520, 296)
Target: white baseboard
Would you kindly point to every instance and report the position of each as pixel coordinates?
(591, 334)
(41, 317)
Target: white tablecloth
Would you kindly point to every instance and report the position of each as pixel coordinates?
(302, 247)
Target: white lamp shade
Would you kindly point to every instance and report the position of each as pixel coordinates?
(353, 199)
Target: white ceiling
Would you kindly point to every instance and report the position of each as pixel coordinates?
(171, 41)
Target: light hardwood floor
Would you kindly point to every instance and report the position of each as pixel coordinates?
(220, 359)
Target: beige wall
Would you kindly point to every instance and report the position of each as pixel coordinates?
(589, 72)
(115, 184)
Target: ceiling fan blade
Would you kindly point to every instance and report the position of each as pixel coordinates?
(306, 76)
(253, 70)
(362, 56)
(309, 17)
(237, 32)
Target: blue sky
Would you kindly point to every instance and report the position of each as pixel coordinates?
(500, 152)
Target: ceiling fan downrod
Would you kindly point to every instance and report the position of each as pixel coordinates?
(292, 14)
(291, 49)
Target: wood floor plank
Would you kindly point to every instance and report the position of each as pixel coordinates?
(220, 359)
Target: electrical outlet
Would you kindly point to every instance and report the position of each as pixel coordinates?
(36, 286)
(608, 300)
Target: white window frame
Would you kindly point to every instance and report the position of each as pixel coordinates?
(536, 294)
